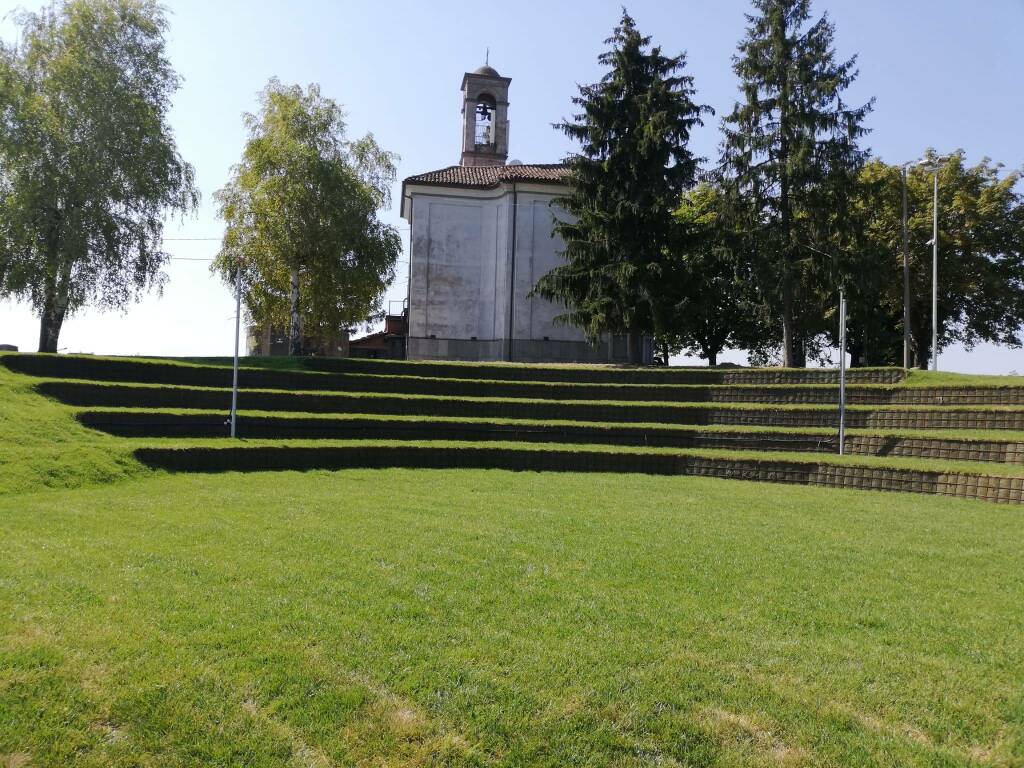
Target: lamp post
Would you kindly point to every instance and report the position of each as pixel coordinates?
(935, 271)
(842, 371)
(234, 372)
(906, 273)
(842, 351)
(933, 164)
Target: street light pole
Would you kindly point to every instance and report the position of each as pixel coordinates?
(935, 274)
(906, 277)
(842, 354)
(933, 164)
(238, 322)
(842, 371)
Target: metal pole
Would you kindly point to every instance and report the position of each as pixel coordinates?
(842, 372)
(935, 275)
(238, 322)
(906, 279)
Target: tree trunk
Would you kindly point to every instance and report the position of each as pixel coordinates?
(712, 357)
(50, 321)
(665, 354)
(922, 359)
(922, 352)
(788, 336)
(790, 357)
(55, 308)
(799, 351)
(634, 351)
(856, 346)
(294, 330)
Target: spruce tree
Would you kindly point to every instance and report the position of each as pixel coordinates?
(790, 157)
(625, 183)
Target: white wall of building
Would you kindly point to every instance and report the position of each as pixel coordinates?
(460, 269)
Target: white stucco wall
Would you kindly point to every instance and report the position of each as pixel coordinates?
(460, 267)
(537, 253)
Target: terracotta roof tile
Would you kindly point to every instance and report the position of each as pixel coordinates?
(490, 176)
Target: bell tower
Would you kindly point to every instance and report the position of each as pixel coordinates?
(484, 117)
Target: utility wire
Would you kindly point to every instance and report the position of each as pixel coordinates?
(218, 239)
(202, 258)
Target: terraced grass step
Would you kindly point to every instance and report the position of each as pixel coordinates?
(994, 488)
(260, 427)
(86, 394)
(125, 371)
(252, 374)
(605, 374)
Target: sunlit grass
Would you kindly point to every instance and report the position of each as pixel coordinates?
(480, 617)
(471, 618)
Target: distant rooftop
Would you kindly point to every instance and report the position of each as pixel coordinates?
(491, 176)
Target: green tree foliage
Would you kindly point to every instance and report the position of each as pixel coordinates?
(301, 213)
(88, 165)
(708, 308)
(981, 259)
(790, 158)
(634, 127)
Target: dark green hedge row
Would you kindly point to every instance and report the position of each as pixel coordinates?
(996, 489)
(127, 396)
(142, 424)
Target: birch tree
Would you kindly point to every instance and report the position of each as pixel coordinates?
(88, 163)
(302, 221)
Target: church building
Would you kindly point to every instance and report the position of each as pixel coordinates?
(481, 236)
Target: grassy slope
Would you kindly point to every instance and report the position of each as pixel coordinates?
(514, 619)
(42, 445)
(46, 446)
(367, 617)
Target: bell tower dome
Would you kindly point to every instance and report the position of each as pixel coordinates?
(484, 117)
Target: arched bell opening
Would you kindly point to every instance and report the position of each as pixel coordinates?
(483, 133)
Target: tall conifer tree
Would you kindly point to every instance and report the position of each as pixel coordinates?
(634, 127)
(791, 158)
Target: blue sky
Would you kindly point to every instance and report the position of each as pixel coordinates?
(946, 74)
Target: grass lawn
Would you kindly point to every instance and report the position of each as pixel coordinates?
(43, 445)
(917, 378)
(478, 618)
(489, 618)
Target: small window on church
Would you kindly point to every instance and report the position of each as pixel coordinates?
(485, 109)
